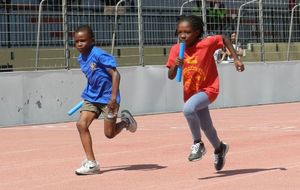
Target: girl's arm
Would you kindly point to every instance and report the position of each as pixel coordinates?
(237, 62)
(115, 75)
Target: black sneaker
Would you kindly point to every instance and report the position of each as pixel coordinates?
(198, 150)
(220, 157)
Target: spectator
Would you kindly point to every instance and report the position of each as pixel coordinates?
(226, 55)
(197, 10)
(215, 17)
(218, 55)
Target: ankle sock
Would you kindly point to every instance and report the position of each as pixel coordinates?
(198, 141)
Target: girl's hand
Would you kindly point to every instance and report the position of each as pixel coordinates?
(179, 62)
(239, 65)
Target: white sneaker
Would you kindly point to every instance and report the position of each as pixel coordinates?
(128, 118)
(88, 167)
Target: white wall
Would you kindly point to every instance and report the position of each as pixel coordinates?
(46, 96)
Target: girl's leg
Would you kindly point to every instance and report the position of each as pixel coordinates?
(83, 124)
(190, 109)
(221, 148)
(197, 114)
(208, 128)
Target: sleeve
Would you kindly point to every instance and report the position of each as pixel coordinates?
(218, 40)
(106, 60)
(172, 56)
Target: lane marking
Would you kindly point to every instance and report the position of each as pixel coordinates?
(19, 151)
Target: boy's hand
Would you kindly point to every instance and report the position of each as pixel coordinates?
(112, 106)
(239, 65)
(179, 62)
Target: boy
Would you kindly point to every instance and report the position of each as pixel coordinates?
(101, 95)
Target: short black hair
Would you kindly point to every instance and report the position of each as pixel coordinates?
(85, 28)
(195, 21)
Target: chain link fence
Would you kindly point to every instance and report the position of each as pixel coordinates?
(38, 34)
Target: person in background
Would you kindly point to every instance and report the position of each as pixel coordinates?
(227, 56)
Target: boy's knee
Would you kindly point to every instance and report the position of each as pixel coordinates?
(109, 134)
(109, 129)
(81, 126)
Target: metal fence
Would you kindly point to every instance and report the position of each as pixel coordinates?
(140, 32)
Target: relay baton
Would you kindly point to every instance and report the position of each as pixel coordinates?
(75, 108)
(181, 56)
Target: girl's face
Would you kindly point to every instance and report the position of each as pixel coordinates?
(83, 42)
(186, 33)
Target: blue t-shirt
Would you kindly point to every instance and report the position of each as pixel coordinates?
(95, 66)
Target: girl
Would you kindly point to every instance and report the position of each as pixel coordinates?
(201, 83)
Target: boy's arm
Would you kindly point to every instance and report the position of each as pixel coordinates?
(237, 62)
(115, 75)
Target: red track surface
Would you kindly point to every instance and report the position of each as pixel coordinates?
(264, 154)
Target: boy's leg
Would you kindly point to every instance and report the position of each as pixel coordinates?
(89, 165)
(112, 128)
(86, 118)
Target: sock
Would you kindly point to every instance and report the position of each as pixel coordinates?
(198, 141)
(92, 161)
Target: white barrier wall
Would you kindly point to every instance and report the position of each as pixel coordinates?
(46, 96)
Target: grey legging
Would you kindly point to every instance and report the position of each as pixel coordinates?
(197, 115)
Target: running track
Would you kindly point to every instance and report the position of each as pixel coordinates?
(264, 154)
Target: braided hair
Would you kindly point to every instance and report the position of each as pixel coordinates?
(195, 21)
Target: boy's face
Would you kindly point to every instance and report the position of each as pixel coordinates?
(83, 42)
(186, 33)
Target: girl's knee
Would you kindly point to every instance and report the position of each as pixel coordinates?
(189, 110)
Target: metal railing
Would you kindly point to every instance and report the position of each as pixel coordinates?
(290, 31)
(37, 53)
(39, 36)
(115, 27)
(239, 19)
